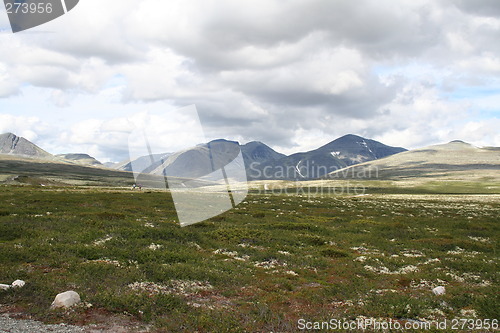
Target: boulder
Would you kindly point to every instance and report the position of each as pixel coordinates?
(18, 284)
(66, 299)
(440, 290)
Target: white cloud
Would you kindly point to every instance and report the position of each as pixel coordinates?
(288, 74)
(480, 133)
(8, 85)
(486, 63)
(162, 76)
(168, 131)
(31, 128)
(458, 43)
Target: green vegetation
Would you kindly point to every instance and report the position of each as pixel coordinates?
(35, 172)
(260, 267)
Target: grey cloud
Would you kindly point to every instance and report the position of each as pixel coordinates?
(480, 7)
(358, 102)
(265, 70)
(379, 28)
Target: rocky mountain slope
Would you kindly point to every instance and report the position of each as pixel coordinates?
(143, 163)
(261, 161)
(256, 151)
(348, 157)
(12, 144)
(258, 160)
(203, 159)
(342, 152)
(199, 161)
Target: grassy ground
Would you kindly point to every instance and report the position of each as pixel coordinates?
(273, 260)
(16, 170)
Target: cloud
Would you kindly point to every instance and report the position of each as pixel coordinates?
(8, 85)
(480, 133)
(480, 7)
(31, 128)
(287, 74)
(113, 139)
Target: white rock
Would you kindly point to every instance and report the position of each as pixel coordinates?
(468, 313)
(439, 290)
(4, 286)
(66, 299)
(18, 284)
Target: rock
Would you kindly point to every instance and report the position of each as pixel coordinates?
(470, 313)
(66, 299)
(439, 290)
(18, 284)
(4, 286)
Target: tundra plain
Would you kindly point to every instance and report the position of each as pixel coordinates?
(278, 257)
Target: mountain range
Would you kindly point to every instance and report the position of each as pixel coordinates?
(340, 153)
(11, 144)
(346, 157)
(261, 161)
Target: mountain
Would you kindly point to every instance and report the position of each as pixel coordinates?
(353, 149)
(348, 157)
(258, 160)
(142, 163)
(256, 151)
(12, 144)
(340, 153)
(202, 159)
(261, 161)
(110, 165)
(198, 161)
(82, 159)
(456, 160)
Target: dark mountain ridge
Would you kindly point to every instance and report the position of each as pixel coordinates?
(258, 160)
(345, 151)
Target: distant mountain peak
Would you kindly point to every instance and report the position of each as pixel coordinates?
(347, 150)
(460, 143)
(254, 143)
(454, 145)
(223, 141)
(80, 158)
(256, 151)
(350, 136)
(15, 145)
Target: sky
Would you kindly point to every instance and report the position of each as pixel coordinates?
(292, 74)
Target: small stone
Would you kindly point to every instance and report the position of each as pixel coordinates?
(18, 284)
(439, 290)
(66, 299)
(4, 286)
(471, 313)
